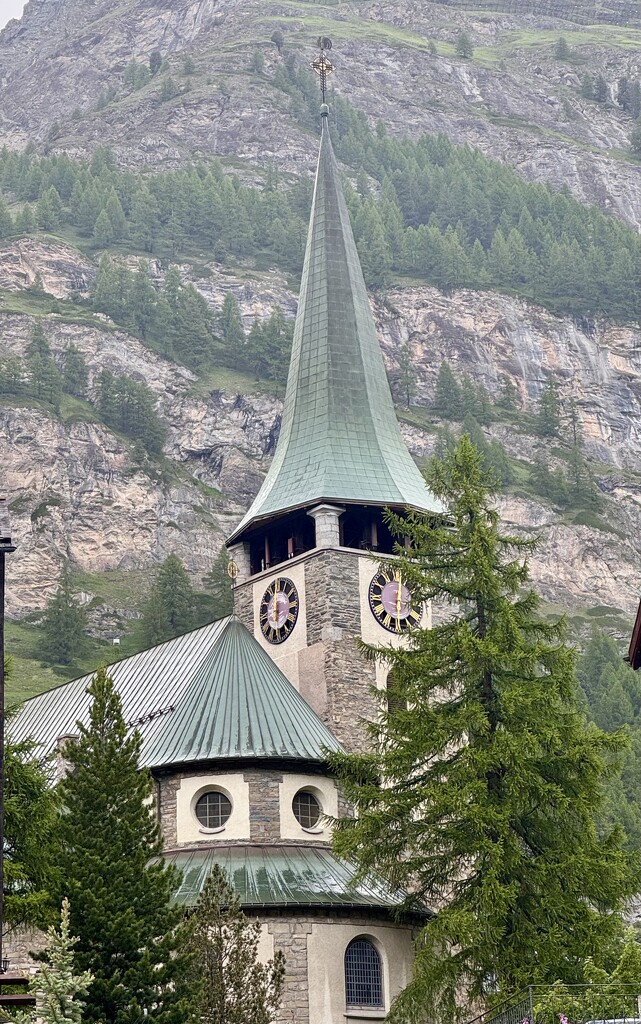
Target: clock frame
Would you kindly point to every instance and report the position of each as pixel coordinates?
(279, 608)
(390, 602)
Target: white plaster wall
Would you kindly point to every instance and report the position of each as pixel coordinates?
(325, 792)
(326, 973)
(371, 629)
(285, 655)
(189, 829)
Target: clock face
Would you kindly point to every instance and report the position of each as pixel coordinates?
(391, 602)
(278, 610)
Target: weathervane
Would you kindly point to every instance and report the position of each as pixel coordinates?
(323, 65)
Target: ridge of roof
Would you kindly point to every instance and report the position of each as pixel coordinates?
(185, 695)
(340, 439)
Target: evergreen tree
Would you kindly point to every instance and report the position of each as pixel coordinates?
(507, 395)
(170, 609)
(561, 49)
(116, 215)
(113, 874)
(635, 140)
(231, 986)
(583, 489)
(548, 419)
(587, 87)
(408, 377)
(601, 91)
(447, 396)
(38, 344)
(155, 61)
(6, 220)
(103, 232)
(486, 774)
(49, 210)
(231, 324)
(624, 95)
(464, 47)
(218, 583)
(25, 221)
(45, 380)
(635, 99)
(75, 373)
(59, 990)
(30, 834)
(64, 639)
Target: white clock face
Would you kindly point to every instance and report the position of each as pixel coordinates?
(279, 610)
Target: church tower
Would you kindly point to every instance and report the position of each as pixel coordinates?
(308, 579)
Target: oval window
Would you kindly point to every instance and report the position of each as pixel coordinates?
(213, 809)
(306, 808)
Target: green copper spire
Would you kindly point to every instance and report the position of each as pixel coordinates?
(340, 440)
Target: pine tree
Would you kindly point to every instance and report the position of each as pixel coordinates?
(447, 396)
(232, 326)
(561, 49)
(64, 640)
(170, 609)
(103, 232)
(587, 87)
(408, 377)
(113, 874)
(218, 583)
(31, 834)
(601, 91)
(59, 990)
(75, 373)
(231, 986)
(624, 96)
(464, 47)
(155, 61)
(38, 344)
(548, 419)
(482, 797)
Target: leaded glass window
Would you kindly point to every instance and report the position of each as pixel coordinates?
(363, 975)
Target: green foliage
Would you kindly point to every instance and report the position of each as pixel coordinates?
(445, 214)
(454, 399)
(155, 62)
(230, 985)
(635, 140)
(113, 873)
(464, 47)
(30, 834)
(407, 375)
(59, 990)
(218, 583)
(562, 50)
(128, 406)
(258, 63)
(548, 419)
(171, 608)
(587, 87)
(612, 693)
(486, 771)
(75, 374)
(606, 995)
(63, 627)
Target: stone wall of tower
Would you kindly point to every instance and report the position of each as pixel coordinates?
(339, 677)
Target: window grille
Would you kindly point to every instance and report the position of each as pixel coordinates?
(213, 810)
(307, 809)
(363, 975)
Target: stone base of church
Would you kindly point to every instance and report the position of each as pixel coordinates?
(314, 946)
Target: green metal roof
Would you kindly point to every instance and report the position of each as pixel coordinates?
(239, 704)
(340, 439)
(277, 876)
(211, 694)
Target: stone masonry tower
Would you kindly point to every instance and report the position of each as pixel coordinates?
(308, 577)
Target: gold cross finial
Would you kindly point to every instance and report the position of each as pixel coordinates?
(323, 65)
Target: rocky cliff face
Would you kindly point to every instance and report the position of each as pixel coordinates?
(77, 491)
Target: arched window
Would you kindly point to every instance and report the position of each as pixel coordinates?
(363, 975)
(396, 701)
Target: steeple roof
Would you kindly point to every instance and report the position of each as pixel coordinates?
(340, 439)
